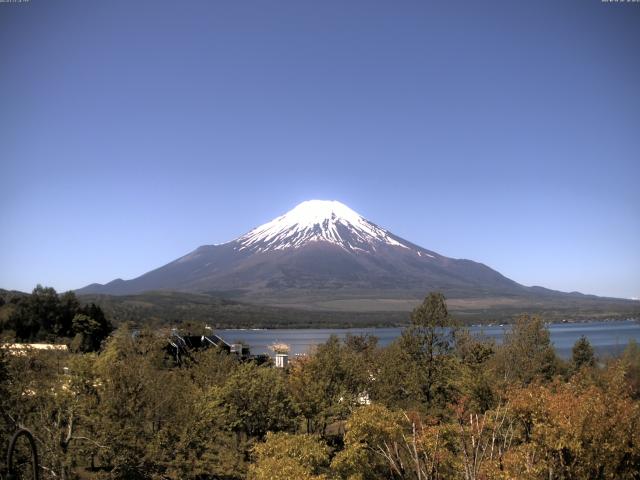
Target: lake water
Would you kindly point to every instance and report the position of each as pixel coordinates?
(607, 338)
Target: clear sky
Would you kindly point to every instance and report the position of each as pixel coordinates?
(506, 132)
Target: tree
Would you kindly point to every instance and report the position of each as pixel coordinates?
(56, 404)
(69, 307)
(254, 400)
(483, 440)
(23, 321)
(140, 397)
(382, 443)
(527, 352)
(86, 330)
(89, 331)
(361, 344)
(395, 383)
(63, 420)
(630, 361)
(369, 431)
(201, 446)
(475, 354)
(283, 456)
(582, 354)
(44, 307)
(565, 430)
(429, 341)
(193, 441)
(103, 328)
(327, 385)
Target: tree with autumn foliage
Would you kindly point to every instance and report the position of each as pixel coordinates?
(285, 456)
(383, 443)
(436, 404)
(575, 430)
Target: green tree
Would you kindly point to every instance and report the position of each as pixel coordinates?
(474, 354)
(429, 341)
(395, 382)
(200, 446)
(23, 320)
(104, 327)
(193, 441)
(361, 344)
(327, 385)
(527, 352)
(140, 397)
(254, 400)
(69, 307)
(582, 354)
(44, 308)
(89, 333)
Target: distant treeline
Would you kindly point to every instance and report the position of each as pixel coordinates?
(436, 404)
(46, 316)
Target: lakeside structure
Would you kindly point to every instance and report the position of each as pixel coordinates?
(180, 347)
(282, 360)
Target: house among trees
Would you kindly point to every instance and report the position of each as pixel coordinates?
(181, 345)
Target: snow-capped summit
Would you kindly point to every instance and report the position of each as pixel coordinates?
(317, 221)
(320, 249)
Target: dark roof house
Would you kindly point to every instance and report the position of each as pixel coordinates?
(180, 346)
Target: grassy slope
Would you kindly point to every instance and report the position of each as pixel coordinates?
(170, 308)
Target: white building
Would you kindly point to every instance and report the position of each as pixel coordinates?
(282, 360)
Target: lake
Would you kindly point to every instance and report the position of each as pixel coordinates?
(607, 338)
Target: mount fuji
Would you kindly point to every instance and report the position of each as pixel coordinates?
(323, 252)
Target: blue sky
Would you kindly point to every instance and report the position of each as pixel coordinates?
(506, 132)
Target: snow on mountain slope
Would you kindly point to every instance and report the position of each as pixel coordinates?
(320, 248)
(317, 221)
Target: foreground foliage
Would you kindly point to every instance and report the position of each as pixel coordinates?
(438, 403)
